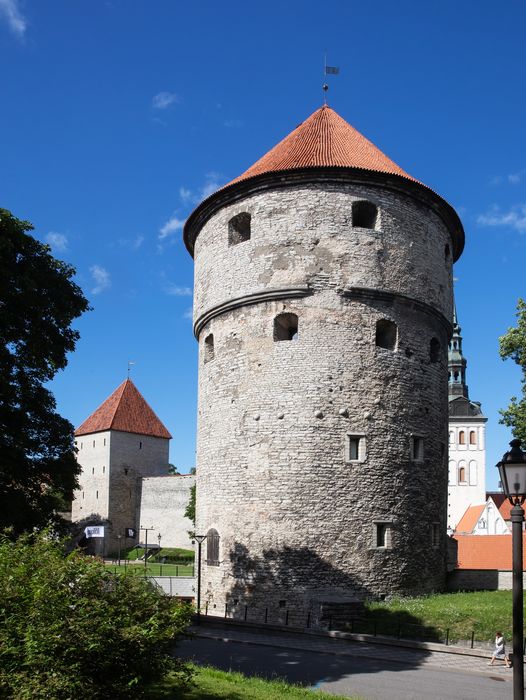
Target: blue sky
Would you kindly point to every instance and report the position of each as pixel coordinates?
(118, 117)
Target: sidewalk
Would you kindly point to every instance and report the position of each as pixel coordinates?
(398, 651)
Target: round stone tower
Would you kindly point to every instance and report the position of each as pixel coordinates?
(322, 308)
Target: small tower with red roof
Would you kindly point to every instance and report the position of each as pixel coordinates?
(121, 442)
(322, 309)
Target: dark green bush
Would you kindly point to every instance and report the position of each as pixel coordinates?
(71, 629)
(174, 555)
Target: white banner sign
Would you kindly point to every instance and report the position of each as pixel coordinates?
(94, 531)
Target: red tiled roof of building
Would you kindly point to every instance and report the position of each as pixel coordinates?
(125, 410)
(501, 501)
(324, 140)
(489, 552)
(468, 521)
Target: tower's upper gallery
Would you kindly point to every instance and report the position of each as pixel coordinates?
(324, 140)
(323, 148)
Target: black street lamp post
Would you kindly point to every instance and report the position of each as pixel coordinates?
(119, 537)
(512, 470)
(199, 539)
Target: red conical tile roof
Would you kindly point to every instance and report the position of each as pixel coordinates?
(324, 140)
(125, 410)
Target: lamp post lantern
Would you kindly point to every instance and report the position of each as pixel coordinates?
(512, 471)
(199, 539)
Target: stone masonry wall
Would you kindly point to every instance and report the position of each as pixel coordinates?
(163, 502)
(132, 458)
(297, 519)
(93, 455)
(481, 580)
(305, 235)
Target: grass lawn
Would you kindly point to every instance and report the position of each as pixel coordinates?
(212, 684)
(153, 569)
(483, 612)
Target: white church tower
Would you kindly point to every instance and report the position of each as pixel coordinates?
(119, 444)
(467, 437)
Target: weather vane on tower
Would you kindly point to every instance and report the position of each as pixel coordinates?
(328, 70)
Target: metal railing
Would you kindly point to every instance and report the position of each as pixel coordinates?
(374, 626)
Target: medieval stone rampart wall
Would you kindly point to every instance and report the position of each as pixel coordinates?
(163, 502)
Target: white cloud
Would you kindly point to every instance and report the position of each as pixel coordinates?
(58, 241)
(233, 123)
(10, 12)
(101, 277)
(132, 243)
(186, 195)
(171, 226)
(174, 291)
(213, 181)
(511, 178)
(514, 218)
(515, 178)
(188, 314)
(164, 99)
(137, 242)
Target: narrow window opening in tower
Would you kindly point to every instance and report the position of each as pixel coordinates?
(83, 494)
(462, 438)
(447, 252)
(239, 228)
(93, 443)
(382, 535)
(209, 348)
(472, 438)
(104, 470)
(434, 350)
(93, 470)
(140, 445)
(386, 332)
(462, 475)
(417, 448)
(435, 534)
(455, 376)
(364, 215)
(356, 448)
(96, 494)
(212, 547)
(286, 327)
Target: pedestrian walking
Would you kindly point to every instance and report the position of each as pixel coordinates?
(500, 650)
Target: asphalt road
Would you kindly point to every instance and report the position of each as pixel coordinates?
(358, 675)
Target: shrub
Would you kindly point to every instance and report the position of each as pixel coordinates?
(69, 628)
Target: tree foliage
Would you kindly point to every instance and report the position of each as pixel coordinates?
(190, 506)
(38, 302)
(512, 345)
(71, 629)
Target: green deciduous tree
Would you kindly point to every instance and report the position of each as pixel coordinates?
(513, 345)
(70, 628)
(38, 302)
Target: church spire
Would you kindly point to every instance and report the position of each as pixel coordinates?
(457, 362)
